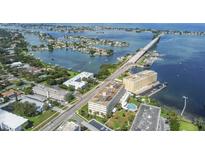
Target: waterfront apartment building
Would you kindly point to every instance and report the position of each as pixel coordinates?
(140, 82)
(103, 103)
(48, 92)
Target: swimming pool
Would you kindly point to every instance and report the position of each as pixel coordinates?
(131, 107)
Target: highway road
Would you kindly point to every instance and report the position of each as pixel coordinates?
(53, 124)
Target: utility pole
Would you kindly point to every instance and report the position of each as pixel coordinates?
(185, 101)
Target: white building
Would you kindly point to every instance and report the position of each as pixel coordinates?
(16, 64)
(104, 102)
(10, 121)
(124, 98)
(77, 81)
(56, 94)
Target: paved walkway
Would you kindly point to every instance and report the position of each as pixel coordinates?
(57, 109)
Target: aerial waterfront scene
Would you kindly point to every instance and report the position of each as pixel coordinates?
(102, 77)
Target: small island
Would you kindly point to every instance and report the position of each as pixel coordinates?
(78, 43)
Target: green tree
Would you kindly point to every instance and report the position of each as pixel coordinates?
(50, 47)
(6, 99)
(51, 81)
(24, 109)
(46, 106)
(92, 52)
(69, 97)
(200, 123)
(54, 103)
(27, 90)
(110, 52)
(19, 83)
(174, 121)
(71, 88)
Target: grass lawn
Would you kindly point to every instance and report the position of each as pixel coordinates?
(134, 100)
(121, 120)
(165, 112)
(187, 126)
(72, 73)
(88, 87)
(123, 75)
(40, 118)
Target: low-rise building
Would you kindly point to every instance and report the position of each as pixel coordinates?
(11, 93)
(103, 103)
(99, 126)
(140, 82)
(69, 126)
(32, 69)
(48, 92)
(28, 98)
(10, 121)
(147, 118)
(16, 64)
(77, 81)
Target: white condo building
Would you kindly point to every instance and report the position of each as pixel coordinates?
(104, 102)
(77, 81)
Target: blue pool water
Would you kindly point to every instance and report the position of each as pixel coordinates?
(131, 107)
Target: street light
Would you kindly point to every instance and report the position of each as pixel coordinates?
(185, 101)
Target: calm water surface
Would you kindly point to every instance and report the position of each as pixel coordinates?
(182, 64)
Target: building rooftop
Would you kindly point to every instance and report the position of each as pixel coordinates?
(147, 118)
(40, 88)
(15, 64)
(11, 120)
(32, 69)
(77, 81)
(99, 125)
(37, 97)
(10, 93)
(106, 95)
(32, 100)
(140, 75)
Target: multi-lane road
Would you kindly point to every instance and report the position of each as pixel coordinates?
(53, 124)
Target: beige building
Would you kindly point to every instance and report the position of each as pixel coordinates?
(141, 81)
(103, 103)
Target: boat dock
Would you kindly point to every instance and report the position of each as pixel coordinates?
(154, 90)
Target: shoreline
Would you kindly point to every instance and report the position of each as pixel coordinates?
(187, 115)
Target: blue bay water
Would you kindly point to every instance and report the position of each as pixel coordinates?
(83, 62)
(183, 67)
(182, 64)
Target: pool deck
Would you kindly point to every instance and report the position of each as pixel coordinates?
(131, 109)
